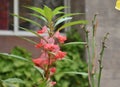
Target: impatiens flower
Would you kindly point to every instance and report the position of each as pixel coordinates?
(53, 70)
(49, 40)
(60, 38)
(52, 83)
(51, 47)
(43, 42)
(38, 45)
(40, 62)
(43, 30)
(60, 55)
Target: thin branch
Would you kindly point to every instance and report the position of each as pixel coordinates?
(101, 58)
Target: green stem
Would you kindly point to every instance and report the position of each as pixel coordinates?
(100, 64)
(48, 67)
(100, 60)
(93, 50)
(89, 59)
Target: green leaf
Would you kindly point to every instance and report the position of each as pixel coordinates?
(43, 84)
(40, 70)
(58, 13)
(57, 10)
(58, 76)
(48, 13)
(36, 9)
(72, 23)
(13, 80)
(29, 40)
(75, 43)
(26, 19)
(35, 33)
(62, 20)
(15, 56)
(1, 83)
(80, 73)
(68, 15)
(67, 59)
(40, 17)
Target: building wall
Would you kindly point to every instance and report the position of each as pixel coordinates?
(9, 42)
(108, 21)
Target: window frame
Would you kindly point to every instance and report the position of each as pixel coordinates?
(16, 30)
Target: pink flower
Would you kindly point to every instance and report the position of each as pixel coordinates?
(48, 39)
(43, 30)
(53, 70)
(51, 47)
(38, 45)
(60, 55)
(53, 83)
(40, 62)
(60, 38)
(43, 42)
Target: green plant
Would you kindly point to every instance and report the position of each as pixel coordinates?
(94, 73)
(52, 54)
(13, 69)
(49, 44)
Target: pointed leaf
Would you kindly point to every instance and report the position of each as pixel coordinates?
(13, 80)
(62, 20)
(40, 17)
(57, 10)
(29, 40)
(40, 70)
(72, 23)
(35, 33)
(80, 73)
(58, 13)
(75, 43)
(36, 9)
(15, 56)
(48, 13)
(26, 19)
(69, 14)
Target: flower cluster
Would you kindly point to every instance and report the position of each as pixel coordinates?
(50, 52)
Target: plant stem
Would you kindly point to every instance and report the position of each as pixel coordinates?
(89, 58)
(47, 71)
(94, 26)
(101, 58)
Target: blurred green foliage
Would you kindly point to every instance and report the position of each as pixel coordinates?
(15, 68)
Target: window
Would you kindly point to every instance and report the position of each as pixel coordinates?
(9, 25)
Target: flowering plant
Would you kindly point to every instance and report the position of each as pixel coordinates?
(51, 40)
(50, 44)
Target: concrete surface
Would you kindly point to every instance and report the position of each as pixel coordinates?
(108, 21)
